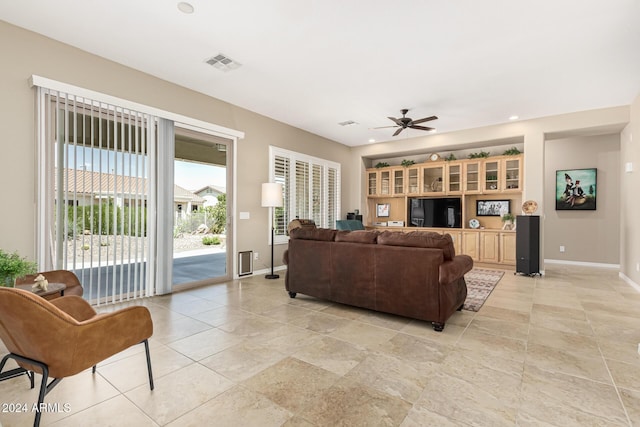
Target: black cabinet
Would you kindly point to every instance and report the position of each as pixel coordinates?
(528, 244)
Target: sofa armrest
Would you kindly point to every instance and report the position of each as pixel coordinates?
(454, 269)
(285, 257)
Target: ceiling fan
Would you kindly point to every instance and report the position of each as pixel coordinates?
(407, 122)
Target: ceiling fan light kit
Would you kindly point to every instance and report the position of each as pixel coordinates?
(405, 122)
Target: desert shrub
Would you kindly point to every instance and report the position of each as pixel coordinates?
(210, 240)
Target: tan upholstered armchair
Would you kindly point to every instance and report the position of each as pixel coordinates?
(56, 276)
(65, 336)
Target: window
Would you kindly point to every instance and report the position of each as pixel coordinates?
(311, 189)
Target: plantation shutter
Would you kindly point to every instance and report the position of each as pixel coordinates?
(302, 190)
(311, 189)
(281, 176)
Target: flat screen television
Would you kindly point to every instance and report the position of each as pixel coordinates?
(435, 212)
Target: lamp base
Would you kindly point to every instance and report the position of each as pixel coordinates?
(271, 276)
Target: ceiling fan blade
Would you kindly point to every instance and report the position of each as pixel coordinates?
(398, 131)
(426, 119)
(384, 127)
(421, 127)
(396, 121)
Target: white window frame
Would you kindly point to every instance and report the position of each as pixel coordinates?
(325, 165)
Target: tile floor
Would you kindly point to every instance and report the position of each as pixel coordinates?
(560, 350)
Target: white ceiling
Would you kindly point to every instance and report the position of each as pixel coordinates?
(314, 63)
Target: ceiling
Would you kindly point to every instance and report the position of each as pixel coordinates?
(313, 64)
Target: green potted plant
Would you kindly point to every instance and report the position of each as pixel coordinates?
(480, 155)
(513, 151)
(381, 165)
(406, 163)
(508, 219)
(13, 266)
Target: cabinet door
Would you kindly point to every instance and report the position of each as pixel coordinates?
(489, 246)
(433, 180)
(398, 181)
(472, 177)
(512, 174)
(384, 186)
(471, 244)
(412, 175)
(456, 236)
(491, 176)
(372, 183)
(454, 178)
(508, 248)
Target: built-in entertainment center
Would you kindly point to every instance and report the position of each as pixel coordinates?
(465, 198)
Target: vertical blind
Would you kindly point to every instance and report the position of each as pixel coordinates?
(94, 167)
(311, 189)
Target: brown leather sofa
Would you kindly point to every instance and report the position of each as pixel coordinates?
(415, 274)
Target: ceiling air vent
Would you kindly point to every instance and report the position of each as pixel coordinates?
(223, 62)
(347, 123)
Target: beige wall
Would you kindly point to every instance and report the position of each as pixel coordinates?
(25, 53)
(588, 236)
(630, 202)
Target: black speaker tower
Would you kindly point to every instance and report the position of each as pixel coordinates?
(528, 245)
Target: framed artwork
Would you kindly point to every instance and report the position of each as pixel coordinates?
(576, 189)
(382, 209)
(492, 207)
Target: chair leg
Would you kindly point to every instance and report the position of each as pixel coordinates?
(146, 349)
(93, 370)
(13, 372)
(44, 387)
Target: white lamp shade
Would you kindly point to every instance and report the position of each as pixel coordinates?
(271, 195)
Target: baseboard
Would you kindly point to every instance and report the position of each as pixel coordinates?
(631, 283)
(582, 264)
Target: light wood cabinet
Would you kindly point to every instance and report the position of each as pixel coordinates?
(489, 246)
(412, 176)
(372, 183)
(453, 178)
(398, 181)
(433, 179)
(491, 176)
(471, 244)
(467, 179)
(508, 248)
(511, 174)
(472, 183)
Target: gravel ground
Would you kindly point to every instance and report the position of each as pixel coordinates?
(93, 247)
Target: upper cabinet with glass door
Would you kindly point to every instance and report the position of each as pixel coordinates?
(398, 181)
(454, 177)
(412, 175)
(433, 178)
(372, 182)
(471, 182)
(511, 177)
(491, 176)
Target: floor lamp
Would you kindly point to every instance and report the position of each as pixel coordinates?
(272, 198)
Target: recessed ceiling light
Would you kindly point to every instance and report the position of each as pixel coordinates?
(185, 7)
(514, 117)
(372, 140)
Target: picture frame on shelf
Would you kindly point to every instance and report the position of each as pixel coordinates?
(493, 207)
(382, 210)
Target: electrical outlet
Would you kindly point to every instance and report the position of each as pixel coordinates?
(638, 348)
(256, 256)
(637, 266)
(561, 248)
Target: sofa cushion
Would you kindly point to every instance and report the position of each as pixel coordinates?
(358, 236)
(306, 233)
(419, 239)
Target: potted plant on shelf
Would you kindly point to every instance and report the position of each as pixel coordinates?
(507, 220)
(13, 266)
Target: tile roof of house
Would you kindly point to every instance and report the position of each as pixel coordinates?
(90, 182)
